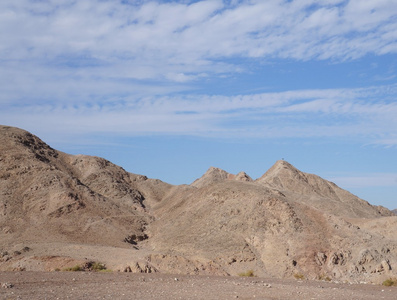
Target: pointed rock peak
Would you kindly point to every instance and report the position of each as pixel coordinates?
(242, 176)
(217, 175)
(211, 176)
(280, 172)
(283, 164)
(215, 170)
(279, 166)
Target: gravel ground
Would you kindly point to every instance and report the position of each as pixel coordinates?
(88, 285)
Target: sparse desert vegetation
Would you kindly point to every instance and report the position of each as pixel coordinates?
(324, 277)
(299, 276)
(390, 282)
(249, 273)
(76, 268)
(92, 266)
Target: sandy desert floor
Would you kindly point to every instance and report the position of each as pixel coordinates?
(91, 285)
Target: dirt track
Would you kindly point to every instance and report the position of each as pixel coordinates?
(85, 285)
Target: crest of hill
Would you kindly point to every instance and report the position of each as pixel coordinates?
(305, 188)
(214, 175)
(317, 192)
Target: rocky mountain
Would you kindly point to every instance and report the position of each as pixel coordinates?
(394, 211)
(316, 192)
(285, 223)
(49, 195)
(214, 175)
(58, 209)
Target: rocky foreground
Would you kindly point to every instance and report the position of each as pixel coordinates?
(69, 285)
(59, 211)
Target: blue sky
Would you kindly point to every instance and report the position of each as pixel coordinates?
(170, 88)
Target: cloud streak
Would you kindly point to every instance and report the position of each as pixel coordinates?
(367, 180)
(355, 113)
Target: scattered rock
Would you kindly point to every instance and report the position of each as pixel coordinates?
(7, 285)
(134, 239)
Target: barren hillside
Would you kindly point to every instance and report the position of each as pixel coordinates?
(57, 210)
(301, 224)
(47, 195)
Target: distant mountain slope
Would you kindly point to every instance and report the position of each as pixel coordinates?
(249, 225)
(214, 175)
(304, 188)
(317, 192)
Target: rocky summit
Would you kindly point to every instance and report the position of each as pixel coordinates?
(59, 210)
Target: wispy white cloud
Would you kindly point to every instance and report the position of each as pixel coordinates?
(366, 180)
(388, 142)
(354, 113)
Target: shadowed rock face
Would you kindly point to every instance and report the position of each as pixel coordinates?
(285, 223)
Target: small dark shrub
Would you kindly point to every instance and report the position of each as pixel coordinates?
(76, 268)
(390, 282)
(299, 276)
(248, 273)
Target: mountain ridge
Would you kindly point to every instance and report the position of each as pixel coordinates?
(214, 174)
(284, 177)
(284, 223)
